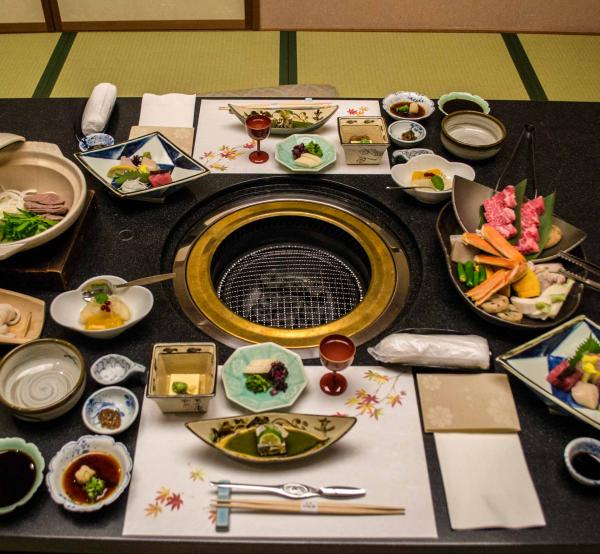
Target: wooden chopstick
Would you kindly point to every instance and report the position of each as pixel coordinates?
(291, 506)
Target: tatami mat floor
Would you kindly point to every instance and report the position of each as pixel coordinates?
(508, 66)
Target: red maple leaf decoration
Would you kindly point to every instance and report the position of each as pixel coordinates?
(175, 501)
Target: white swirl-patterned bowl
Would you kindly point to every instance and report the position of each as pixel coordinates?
(73, 450)
(42, 380)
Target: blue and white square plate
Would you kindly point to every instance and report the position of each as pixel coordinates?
(167, 155)
(530, 363)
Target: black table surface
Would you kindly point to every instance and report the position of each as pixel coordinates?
(567, 145)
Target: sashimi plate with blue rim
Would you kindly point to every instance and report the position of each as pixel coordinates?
(169, 158)
(533, 361)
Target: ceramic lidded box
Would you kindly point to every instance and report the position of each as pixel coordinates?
(183, 376)
(364, 139)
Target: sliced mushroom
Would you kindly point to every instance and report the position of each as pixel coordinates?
(495, 304)
(554, 236)
(511, 314)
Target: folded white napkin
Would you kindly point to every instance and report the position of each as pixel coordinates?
(98, 108)
(487, 481)
(171, 110)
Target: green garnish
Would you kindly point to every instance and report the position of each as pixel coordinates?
(437, 182)
(257, 383)
(558, 298)
(131, 176)
(542, 306)
(403, 108)
(94, 487)
(179, 387)
(313, 148)
(147, 155)
(588, 346)
(22, 225)
(101, 298)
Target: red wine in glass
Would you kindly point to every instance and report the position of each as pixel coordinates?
(258, 128)
(336, 353)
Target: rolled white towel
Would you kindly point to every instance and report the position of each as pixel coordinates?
(99, 106)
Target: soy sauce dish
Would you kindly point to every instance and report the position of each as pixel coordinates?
(89, 473)
(21, 472)
(582, 458)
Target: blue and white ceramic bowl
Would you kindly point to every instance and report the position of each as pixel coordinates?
(73, 450)
(406, 96)
(234, 379)
(168, 156)
(578, 446)
(530, 363)
(398, 128)
(114, 368)
(111, 398)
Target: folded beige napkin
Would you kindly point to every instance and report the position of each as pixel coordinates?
(482, 402)
(487, 482)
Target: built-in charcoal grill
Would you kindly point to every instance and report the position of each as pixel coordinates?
(290, 269)
(290, 286)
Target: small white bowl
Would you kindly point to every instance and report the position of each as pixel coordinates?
(112, 398)
(402, 174)
(73, 450)
(405, 96)
(582, 444)
(42, 379)
(114, 368)
(66, 307)
(396, 129)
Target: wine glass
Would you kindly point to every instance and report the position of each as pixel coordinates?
(336, 353)
(258, 128)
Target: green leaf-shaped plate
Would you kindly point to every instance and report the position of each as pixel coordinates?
(283, 153)
(308, 434)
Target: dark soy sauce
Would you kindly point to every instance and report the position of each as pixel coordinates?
(107, 468)
(459, 104)
(586, 465)
(17, 476)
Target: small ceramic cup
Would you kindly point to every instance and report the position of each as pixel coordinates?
(116, 399)
(114, 368)
(582, 445)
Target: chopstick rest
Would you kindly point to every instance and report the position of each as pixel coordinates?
(223, 512)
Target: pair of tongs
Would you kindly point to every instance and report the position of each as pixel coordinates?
(587, 266)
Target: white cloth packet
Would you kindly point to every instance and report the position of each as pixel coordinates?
(169, 110)
(459, 351)
(487, 482)
(99, 106)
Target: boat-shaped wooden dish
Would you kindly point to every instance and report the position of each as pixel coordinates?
(288, 118)
(31, 323)
(447, 225)
(468, 197)
(307, 434)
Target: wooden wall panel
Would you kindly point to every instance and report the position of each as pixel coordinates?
(537, 16)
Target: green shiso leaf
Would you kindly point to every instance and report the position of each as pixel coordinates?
(545, 224)
(588, 346)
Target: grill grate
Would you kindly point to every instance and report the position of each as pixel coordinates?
(290, 286)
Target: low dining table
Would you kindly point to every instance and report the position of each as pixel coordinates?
(567, 149)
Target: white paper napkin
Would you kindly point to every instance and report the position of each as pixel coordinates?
(487, 481)
(172, 110)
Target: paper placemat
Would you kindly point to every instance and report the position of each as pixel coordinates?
(169, 493)
(180, 136)
(455, 402)
(487, 482)
(222, 144)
